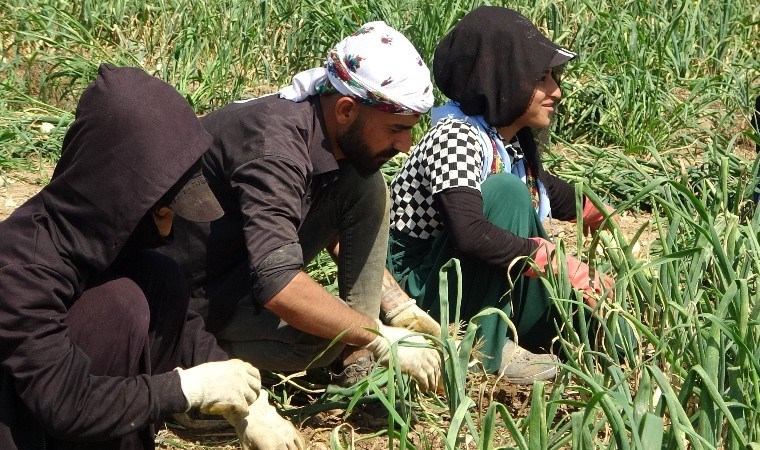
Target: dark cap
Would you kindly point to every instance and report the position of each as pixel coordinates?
(561, 57)
(194, 200)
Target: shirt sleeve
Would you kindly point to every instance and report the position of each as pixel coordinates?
(198, 345)
(51, 374)
(270, 189)
(561, 196)
(473, 235)
(454, 157)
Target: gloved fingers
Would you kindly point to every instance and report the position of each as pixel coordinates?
(261, 402)
(435, 367)
(415, 319)
(608, 282)
(298, 442)
(225, 408)
(431, 380)
(599, 290)
(436, 375)
(593, 216)
(609, 287)
(602, 283)
(295, 440)
(255, 385)
(542, 257)
(422, 383)
(253, 372)
(421, 377)
(429, 365)
(250, 397)
(590, 299)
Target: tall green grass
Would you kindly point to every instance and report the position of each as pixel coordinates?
(654, 117)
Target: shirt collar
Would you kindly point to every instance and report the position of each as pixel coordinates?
(320, 153)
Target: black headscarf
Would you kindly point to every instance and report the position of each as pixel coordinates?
(491, 62)
(133, 138)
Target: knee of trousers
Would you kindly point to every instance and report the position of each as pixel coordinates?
(367, 194)
(117, 307)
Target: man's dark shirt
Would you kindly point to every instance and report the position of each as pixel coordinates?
(268, 159)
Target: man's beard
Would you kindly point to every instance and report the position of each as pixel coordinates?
(359, 153)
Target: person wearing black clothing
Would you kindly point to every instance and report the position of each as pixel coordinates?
(474, 188)
(298, 172)
(96, 343)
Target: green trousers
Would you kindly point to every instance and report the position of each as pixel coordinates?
(415, 263)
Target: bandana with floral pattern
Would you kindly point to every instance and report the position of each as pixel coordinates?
(377, 66)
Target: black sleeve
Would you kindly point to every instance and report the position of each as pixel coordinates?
(52, 376)
(561, 196)
(198, 345)
(461, 210)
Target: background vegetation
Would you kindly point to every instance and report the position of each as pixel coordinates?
(655, 118)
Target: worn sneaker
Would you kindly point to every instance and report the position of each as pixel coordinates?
(520, 366)
(354, 372)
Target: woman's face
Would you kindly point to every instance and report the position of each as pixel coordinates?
(541, 108)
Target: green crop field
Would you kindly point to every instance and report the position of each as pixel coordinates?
(655, 120)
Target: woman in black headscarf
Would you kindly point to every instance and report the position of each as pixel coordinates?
(474, 188)
(94, 325)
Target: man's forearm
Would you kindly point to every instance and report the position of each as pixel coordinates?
(307, 306)
(392, 295)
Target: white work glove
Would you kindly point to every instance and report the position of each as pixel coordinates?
(408, 315)
(261, 428)
(220, 387)
(423, 364)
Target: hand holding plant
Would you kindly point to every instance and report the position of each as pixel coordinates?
(579, 273)
(593, 217)
(422, 362)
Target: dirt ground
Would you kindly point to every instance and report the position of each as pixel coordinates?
(18, 187)
(359, 428)
(364, 423)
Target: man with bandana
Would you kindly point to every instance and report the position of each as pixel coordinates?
(297, 173)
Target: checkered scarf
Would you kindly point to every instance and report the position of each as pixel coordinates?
(377, 66)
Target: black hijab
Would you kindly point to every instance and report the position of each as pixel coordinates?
(133, 138)
(491, 62)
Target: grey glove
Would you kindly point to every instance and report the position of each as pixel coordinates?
(220, 387)
(261, 428)
(422, 363)
(408, 315)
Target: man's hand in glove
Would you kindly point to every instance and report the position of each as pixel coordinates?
(261, 428)
(399, 310)
(408, 315)
(421, 363)
(578, 272)
(220, 387)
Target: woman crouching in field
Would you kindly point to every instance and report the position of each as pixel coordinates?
(474, 188)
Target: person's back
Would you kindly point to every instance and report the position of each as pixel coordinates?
(95, 340)
(249, 135)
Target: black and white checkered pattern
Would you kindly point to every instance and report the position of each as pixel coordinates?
(449, 155)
